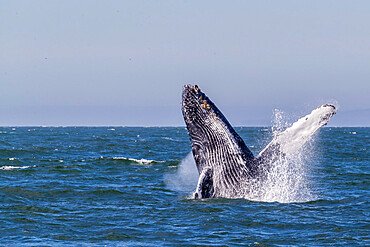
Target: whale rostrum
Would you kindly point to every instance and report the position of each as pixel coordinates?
(225, 164)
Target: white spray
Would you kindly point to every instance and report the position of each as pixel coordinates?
(186, 177)
(288, 179)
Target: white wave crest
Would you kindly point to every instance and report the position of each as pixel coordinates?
(139, 161)
(14, 167)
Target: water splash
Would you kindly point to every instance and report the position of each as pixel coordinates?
(186, 177)
(280, 122)
(288, 178)
(286, 182)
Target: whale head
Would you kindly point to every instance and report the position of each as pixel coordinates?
(198, 110)
(214, 142)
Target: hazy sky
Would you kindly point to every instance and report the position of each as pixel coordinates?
(124, 62)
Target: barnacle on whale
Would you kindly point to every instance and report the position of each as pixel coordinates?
(212, 114)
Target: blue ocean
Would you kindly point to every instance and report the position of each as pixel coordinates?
(132, 186)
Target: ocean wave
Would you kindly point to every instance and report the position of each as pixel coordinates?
(138, 161)
(170, 139)
(14, 167)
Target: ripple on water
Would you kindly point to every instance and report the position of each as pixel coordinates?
(113, 191)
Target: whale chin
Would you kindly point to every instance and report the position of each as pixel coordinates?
(224, 162)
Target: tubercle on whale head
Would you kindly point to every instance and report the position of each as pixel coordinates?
(194, 101)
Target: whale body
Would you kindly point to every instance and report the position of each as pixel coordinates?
(225, 164)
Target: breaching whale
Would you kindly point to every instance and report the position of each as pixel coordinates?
(224, 162)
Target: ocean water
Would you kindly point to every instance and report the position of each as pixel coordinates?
(126, 186)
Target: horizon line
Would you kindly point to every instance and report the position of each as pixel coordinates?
(157, 126)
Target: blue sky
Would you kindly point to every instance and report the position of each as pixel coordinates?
(124, 62)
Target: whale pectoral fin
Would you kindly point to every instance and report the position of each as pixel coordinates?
(288, 142)
(205, 185)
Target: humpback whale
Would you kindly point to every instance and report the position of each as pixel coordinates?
(224, 162)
